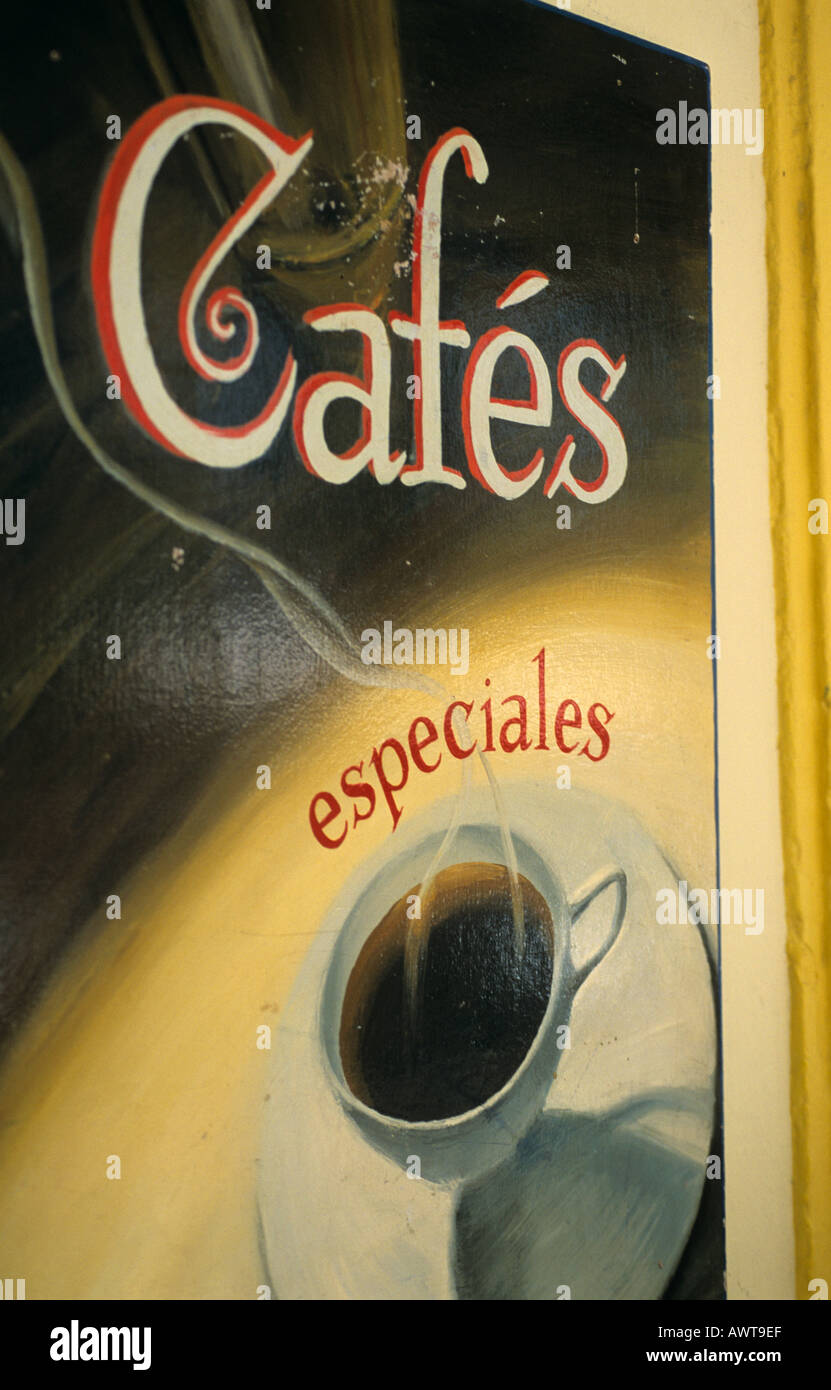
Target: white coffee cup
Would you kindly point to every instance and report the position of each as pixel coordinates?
(467, 1144)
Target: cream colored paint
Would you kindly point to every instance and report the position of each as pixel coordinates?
(760, 1259)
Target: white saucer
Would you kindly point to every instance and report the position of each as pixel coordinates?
(600, 1197)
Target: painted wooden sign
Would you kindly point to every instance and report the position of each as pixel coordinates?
(360, 879)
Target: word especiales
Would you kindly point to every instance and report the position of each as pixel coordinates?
(388, 766)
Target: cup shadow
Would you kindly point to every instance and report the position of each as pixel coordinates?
(587, 1207)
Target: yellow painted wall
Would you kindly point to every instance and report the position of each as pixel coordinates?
(795, 54)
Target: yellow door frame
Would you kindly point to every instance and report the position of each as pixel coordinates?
(795, 52)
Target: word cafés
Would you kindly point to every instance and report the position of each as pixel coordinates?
(117, 288)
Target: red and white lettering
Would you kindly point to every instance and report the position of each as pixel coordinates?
(529, 283)
(372, 449)
(424, 328)
(479, 408)
(602, 426)
(117, 289)
(116, 282)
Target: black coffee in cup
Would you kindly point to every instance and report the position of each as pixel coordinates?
(481, 999)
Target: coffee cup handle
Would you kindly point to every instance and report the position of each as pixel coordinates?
(603, 879)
